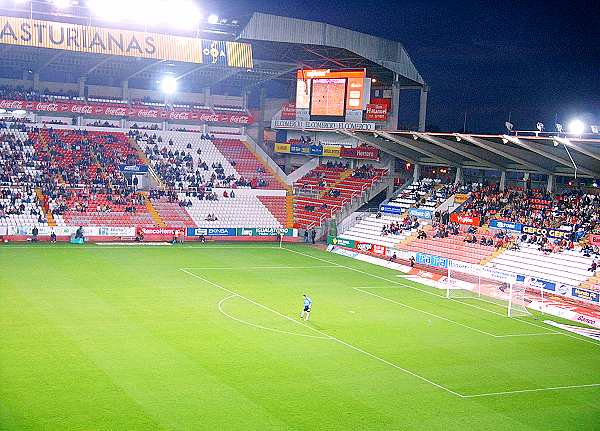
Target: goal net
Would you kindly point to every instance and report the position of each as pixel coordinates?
(466, 281)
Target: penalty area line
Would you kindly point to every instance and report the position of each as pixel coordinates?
(337, 340)
(522, 391)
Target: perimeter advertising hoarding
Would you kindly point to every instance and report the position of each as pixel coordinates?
(431, 260)
(391, 209)
(547, 232)
(465, 219)
(116, 110)
(245, 231)
(421, 213)
(108, 41)
(506, 225)
(363, 153)
(595, 239)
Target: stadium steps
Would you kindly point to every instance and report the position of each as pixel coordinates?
(140, 153)
(269, 169)
(276, 206)
(592, 283)
(343, 175)
(155, 215)
(289, 206)
(44, 201)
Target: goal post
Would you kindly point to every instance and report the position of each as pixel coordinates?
(469, 281)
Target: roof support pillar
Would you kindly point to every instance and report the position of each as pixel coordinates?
(36, 81)
(393, 123)
(125, 90)
(417, 172)
(458, 179)
(551, 183)
(423, 109)
(81, 83)
(502, 181)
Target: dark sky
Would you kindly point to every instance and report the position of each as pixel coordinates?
(534, 59)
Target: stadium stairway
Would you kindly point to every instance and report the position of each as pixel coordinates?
(153, 212)
(266, 165)
(45, 207)
(277, 205)
(245, 162)
(592, 283)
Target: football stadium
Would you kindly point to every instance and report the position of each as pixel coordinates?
(225, 225)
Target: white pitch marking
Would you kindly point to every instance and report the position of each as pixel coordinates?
(434, 294)
(220, 306)
(350, 346)
(520, 391)
(245, 268)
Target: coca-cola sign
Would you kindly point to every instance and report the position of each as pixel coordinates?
(112, 110)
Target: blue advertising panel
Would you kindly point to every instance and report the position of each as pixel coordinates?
(506, 225)
(430, 260)
(390, 209)
(211, 231)
(420, 213)
(538, 282)
(588, 295)
(133, 169)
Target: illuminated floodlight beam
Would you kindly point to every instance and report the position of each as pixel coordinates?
(168, 85)
(61, 4)
(213, 19)
(577, 127)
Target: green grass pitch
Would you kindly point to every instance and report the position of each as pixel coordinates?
(208, 337)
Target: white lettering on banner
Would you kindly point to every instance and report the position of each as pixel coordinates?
(328, 125)
(161, 231)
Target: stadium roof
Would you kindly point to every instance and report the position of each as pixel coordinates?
(281, 45)
(544, 154)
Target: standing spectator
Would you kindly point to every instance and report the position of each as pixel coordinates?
(306, 236)
(313, 235)
(34, 234)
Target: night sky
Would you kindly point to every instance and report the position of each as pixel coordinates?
(533, 59)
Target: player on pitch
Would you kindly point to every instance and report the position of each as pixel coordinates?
(306, 309)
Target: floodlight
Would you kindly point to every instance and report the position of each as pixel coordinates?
(168, 85)
(374, 80)
(576, 127)
(213, 19)
(61, 4)
(509, 126)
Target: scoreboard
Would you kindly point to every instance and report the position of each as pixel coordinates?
(332, 95)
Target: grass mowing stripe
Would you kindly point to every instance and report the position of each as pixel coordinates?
(358, 349)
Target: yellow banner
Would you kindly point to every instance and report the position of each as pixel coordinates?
(98, 40)
(282, 148)
(331, 151)
(459, 198)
